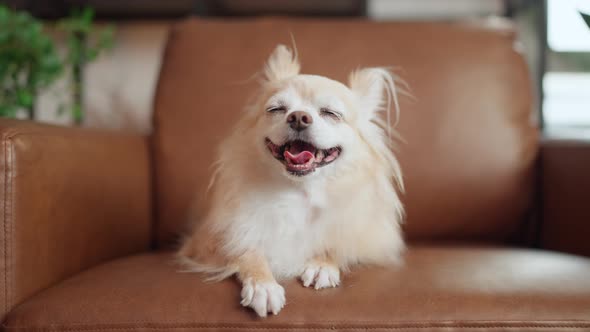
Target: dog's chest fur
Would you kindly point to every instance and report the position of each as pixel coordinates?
(292, 224)
(287, 225)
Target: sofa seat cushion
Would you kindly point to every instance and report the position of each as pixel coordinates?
(438, 289)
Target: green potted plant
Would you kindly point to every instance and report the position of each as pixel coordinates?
(28, 62)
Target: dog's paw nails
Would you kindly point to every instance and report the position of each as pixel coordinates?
(321, 276)
(263, 297)
(308, 276)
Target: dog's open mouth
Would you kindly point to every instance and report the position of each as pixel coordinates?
(301, 158)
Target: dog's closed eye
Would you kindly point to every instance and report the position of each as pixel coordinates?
(324, 111)
(277, 109)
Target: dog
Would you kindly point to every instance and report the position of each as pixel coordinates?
(306, 185)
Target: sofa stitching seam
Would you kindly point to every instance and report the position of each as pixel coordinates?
(5, 302)
(91, 135)
(5, 224)
(285, 327)
(10, 201)
(8, 224)
(244, 328)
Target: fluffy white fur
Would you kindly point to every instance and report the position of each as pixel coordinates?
(265, 224)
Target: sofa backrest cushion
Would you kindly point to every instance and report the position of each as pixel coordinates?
(470, 138)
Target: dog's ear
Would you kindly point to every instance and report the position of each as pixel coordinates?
(281, 64)
(375, 88)
(376, 91)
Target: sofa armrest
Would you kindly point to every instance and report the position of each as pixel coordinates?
(565, 165)
(69, 199)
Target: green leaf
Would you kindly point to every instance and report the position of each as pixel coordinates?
(8, 111)
(92, 53)
(3, 13)
(87, 15)
(77, 112)
(25, 98)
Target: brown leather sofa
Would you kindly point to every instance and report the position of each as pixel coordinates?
(498, 219)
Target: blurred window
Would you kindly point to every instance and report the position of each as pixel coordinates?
(566, 84)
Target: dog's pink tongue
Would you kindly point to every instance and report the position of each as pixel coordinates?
(301, 158)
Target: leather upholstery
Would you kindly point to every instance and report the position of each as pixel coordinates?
(471, 147)
(438, 289)
(71, 198)
(566, 191)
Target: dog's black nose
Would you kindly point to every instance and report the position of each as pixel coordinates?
(299, 120)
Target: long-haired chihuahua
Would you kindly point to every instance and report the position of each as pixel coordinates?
(306, 185)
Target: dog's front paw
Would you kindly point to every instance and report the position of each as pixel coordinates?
(321, 276)
(263, 297)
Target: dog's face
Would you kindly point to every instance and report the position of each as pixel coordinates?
(308, 124)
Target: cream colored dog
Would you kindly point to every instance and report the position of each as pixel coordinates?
(304, 186)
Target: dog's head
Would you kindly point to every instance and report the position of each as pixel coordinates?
(306, 124)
